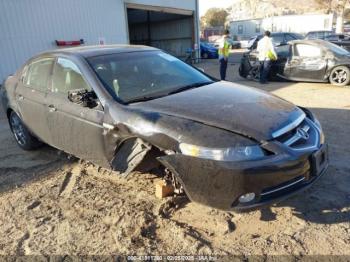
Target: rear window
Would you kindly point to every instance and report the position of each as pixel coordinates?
(294, 36)
(336, 49)
(277, 39)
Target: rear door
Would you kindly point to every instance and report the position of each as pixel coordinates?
(31, 95)
(307, 63)
(75, 129)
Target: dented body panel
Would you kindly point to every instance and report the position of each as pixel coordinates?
(292, 66)
(228, 106)
(220, 184)
(219, 115)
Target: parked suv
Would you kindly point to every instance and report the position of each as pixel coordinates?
(278, 39)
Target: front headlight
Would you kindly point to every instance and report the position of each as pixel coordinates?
(239, 153)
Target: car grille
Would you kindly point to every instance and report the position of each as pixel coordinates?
(303, 137)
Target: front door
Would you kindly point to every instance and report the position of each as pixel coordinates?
(75, 129)
(280, 67)
(307, 63)
(31, 95)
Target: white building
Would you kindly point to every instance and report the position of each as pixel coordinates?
(244, 29)
(31, 26)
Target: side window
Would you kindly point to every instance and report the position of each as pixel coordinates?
(67, 76)
(240, 29)
(312, 35)
(307, 50)
(37, 74)
(257, 28)
(327, 34)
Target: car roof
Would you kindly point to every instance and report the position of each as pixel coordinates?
(309, 41)
(96, 50)
(345, 34)
(321, 31)
(275, 33)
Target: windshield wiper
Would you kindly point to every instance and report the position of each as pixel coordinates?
(162, 94)
(144, 98)
(187, 87)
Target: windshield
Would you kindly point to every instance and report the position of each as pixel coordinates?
(145, 75)
(251, 41)
(336, 49)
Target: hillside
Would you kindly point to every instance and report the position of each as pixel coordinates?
(246, 9)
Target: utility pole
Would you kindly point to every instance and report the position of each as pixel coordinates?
(340, 10)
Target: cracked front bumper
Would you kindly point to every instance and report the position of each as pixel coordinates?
(220, 184)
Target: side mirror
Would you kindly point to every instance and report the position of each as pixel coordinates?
(83, 97)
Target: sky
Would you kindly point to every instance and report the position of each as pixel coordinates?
(204, 5)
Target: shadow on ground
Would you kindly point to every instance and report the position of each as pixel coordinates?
(19, 167)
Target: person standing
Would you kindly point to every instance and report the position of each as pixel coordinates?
(224, 52)
(267, 54)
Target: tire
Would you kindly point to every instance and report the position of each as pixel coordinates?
(22, 135)
(340, 76)
(241, 72)
(205, 56)
(254, 73)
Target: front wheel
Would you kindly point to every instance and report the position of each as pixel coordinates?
(22, 135)
(340, 76)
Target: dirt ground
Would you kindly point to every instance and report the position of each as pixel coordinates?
(51, 205)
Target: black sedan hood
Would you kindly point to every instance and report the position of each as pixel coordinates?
(237, 108)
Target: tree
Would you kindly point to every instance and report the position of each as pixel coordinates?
(338, 7)
(326, 4)
(214, 17)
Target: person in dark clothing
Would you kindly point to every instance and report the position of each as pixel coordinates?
(224, 52)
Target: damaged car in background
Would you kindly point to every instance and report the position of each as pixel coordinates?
(304, 61)
(225, 145)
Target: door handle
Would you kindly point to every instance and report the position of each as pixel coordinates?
(52, 108)
(20, 97)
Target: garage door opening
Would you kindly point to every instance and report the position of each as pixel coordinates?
(171, 32)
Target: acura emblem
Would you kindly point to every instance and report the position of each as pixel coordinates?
(302, 134)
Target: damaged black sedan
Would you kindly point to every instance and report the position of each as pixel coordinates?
(225, 145)
(304, 61)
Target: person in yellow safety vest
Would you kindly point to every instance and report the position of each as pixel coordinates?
(267, 55)
(224, 52)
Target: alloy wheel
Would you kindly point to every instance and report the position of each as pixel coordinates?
(18, 130)
(339, 76)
